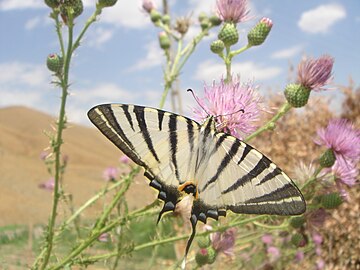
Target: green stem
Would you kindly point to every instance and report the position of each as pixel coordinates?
(234, 53)
(58, 143)
(271, 124)
(228, 65)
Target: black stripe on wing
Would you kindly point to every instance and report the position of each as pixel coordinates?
(140, 117)
(102, 116)
(173, 140)
(262, 165)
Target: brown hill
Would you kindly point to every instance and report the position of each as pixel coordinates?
(22, 139)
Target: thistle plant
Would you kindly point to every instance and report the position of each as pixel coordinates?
(237, 107)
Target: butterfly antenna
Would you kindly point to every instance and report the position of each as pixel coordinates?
(197, 100)
(241, 110)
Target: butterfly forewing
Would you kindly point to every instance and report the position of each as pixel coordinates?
(162, 142)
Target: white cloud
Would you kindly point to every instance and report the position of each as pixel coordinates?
(99, 36)
(21, 4)
(154, 56)
(23, 73)
(321, 18)
(209, 71)
(288, 52)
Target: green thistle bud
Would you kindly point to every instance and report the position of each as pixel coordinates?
(297, 95)
(331, 200)
(217, 46)
(202, 16)
(52, 3)
(204, 241)
(327, 159)
(297, 222)
(229, 34)
(164, 41)
(106, 3)
(211, 255)
(54, 63)
(155, 16)
(215, 20)
(204, 24)
(166, 19)
(201, 257)
(76, 7)
(258, 34)
(298, 240)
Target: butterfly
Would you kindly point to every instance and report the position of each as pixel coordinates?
(182, 157)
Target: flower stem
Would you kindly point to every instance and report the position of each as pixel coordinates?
(271, 124)
(58, 143)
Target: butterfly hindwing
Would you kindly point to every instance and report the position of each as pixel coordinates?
(246, 181)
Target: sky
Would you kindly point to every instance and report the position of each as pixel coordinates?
(120, 61)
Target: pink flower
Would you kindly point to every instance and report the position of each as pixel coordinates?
(235, 106)
(320, 264)
(315, 73)
(299, 256)
(232, 10)
(110, 173)
(317, 238)
(148, 5)
(44, 155)
(273, 252)
(104, 237)
(342, 137)
(124, 159)
(48, 185)
(346, 172)
(267, 239)
(224, 242)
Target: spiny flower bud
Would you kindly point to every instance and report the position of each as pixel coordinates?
(229, 34)
(52, 3)
(331, 200)
(202, 16)
(204, 24)
(54, 63)
(215, 20)
(205, 256)
(148, 5)
(155, 16)
(258, 34)
(166, 19)
(164, 41)
(106, 3)
(217, 46)
(297, 222)
(327, 159)
(297, 95)
(76, 7)
(204, 241)
(298, 240)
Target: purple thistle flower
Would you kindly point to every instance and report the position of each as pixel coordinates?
(341, 136)
(110, 173)
(267, 239)
(317, 238)
(273, 252)
(48, 185)
(315, 73)
(124, 159)
(226, 101)
(320, 264)
(299, 256)
(346, 172)
(224, 242)
(148, 5)
(232, 10)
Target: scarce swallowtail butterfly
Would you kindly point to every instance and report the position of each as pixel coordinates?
(181, 156)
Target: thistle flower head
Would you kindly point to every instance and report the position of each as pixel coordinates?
(267, 239)
(124, 159)
(236, 106)
(48, 185)
(110, 173)
(315, 73)
(345, 172)
(148, 5)
(340, 136)
(232, 10)
(273, 252)
(224, 242)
